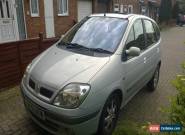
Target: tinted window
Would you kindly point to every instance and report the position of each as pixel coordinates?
(150, 32)
(98, 32)
(139, 35)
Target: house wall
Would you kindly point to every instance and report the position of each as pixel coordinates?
(34, 25)
(64, 23)
(101, 7)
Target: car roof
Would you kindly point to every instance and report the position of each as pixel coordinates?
(119, 15)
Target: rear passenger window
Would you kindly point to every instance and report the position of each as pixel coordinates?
(151, 36)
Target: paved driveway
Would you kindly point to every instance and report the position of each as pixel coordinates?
(144, 107)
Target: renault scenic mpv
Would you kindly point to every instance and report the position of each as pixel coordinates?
(79, 84)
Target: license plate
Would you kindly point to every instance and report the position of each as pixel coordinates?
(36, 110)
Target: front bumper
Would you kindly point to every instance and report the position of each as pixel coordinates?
(54, 120)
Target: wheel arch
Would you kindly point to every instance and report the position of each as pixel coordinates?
(119, 93)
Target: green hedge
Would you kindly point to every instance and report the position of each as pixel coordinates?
(177, 108)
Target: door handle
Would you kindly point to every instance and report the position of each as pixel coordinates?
(144, 60)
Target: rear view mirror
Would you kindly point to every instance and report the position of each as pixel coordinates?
(133, 51)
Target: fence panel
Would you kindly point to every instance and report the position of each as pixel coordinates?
(15, 56)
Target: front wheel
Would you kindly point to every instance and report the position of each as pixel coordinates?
(152, 84)
(109, 115)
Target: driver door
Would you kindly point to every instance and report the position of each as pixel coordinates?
(134, 66)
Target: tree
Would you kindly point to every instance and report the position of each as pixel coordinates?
(181, 4)
(176, 10)
(165, 11)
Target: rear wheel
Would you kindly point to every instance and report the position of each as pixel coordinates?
(152, 84)
(109, 115)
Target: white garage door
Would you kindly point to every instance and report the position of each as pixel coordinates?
(84, 8)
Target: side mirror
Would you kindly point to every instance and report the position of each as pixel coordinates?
(133, 51)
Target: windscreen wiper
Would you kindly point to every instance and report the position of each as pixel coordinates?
(100, 50)
(75, 45)
(71, 45)
(62, 43)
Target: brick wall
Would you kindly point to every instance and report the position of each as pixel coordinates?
(34, 25)
(64, 23)
(100, 7)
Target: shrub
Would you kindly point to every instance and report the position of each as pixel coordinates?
(177, 108)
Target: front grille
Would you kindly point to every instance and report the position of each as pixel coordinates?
(32, 84)
(45, 92)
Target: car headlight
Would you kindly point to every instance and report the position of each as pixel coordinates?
(72, 95)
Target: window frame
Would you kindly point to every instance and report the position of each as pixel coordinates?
(31, 11)
(63, 14)
(124, 56)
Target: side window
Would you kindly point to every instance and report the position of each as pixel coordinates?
(34, 8)
(150, 33)
(131, 39)
(63, 7)
(157, 31)
(139, 35)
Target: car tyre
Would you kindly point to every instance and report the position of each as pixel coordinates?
(109, 115)
(152, 84)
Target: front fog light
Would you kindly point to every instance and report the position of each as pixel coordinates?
(72, 95)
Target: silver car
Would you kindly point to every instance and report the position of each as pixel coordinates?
(79, 84)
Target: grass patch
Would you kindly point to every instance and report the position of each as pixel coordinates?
(131, 128)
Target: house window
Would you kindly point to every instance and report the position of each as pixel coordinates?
(125, 9)
(8, 9)
(130, 9)
(1, 10)
(34, 8)
(62, 7)
(116, 8)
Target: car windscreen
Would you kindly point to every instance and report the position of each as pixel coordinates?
(97, 32)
